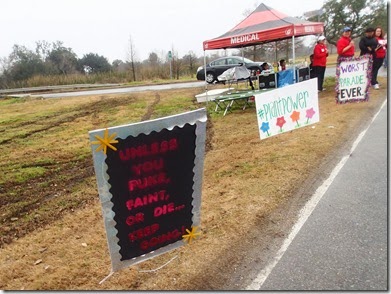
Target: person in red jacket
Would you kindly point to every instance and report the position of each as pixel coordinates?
(380, 53)
(345, 45)
(319, 61)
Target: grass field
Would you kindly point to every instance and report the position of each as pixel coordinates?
(52, 233)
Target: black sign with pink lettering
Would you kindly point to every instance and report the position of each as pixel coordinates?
(151, 179)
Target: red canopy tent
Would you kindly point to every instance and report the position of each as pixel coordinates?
(264, 25)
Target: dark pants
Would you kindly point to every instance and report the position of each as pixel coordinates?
(377, 63)
(319, 73)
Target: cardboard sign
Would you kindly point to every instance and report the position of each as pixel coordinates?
(353, 78)
(287, 108)
(149, 179)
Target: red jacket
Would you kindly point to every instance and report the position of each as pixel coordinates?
(341, 44)
(381, 52)
(320, 55)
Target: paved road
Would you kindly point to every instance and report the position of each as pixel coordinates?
(54, 88)
(343, 243)
(121, 90)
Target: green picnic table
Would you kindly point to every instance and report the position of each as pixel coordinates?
(240, 98)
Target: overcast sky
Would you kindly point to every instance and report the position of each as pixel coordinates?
(104, 26)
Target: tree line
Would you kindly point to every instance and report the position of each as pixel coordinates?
(54, 63)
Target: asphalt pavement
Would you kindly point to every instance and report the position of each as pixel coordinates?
(343, 243)
(118, 90)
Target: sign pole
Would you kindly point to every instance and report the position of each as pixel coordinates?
(170, 59)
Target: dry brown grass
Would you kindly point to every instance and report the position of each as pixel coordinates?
(245, 181)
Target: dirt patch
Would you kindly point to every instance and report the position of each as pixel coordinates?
(151, 108)
(40, 199)
(47, 122)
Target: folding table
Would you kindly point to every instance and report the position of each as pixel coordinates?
(242, 99)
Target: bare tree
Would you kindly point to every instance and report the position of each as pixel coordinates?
(176, 63)
(5, 64)
(131, 56)
(190, 59)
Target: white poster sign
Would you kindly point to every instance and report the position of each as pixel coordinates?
(287, 108)
(353, 79)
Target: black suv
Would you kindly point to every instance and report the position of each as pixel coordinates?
(218, 66)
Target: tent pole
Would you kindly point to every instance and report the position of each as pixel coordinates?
(293, 49)
(293, 58)
(206, 84)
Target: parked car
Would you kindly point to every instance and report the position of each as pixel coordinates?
(218, 66)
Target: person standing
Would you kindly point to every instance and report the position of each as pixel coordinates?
(345, 45)
(380, 54)
(319, 61)
(368, 43)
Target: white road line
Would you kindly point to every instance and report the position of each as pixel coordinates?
(306, 211)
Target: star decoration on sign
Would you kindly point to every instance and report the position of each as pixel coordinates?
(105, 142)
(190, 234)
